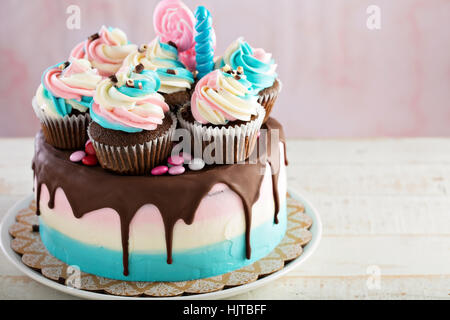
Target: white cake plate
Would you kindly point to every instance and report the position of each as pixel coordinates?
(15, 258)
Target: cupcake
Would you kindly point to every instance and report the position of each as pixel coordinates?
(224, 118)
(176, 79)
(62, 102)
(132, 127)
(259, 67)
(106, 50)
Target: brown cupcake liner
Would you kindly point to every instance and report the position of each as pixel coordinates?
(268, 96)
(224, 145)
(138, 159)
(68, 133)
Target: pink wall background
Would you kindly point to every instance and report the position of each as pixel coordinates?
(340, 78)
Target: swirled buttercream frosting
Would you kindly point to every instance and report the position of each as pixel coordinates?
(258, 65)
(163, 58)
(106, 50)
(65, 86)
(129, 102)
(220, 97)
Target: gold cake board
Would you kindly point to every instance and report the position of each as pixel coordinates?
(28, 244)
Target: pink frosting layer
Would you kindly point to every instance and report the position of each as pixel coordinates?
(210, 208)
(78, 51)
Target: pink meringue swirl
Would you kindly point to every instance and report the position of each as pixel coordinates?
(174, 21)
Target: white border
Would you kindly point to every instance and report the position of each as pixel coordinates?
(9, 219)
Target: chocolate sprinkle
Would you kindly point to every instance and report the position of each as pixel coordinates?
(52, 168)
(35, 227)
(171, 71)
(237, 77)
(139, 68)
(113, 78)
(171, 43)
(93, 37)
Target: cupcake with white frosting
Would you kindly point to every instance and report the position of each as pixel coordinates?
(132, 127)
(224, 117)
(62, 102)
(106, 50)
(176, 79)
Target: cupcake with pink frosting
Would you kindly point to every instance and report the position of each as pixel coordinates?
(62, 102)
(132, 127)
(224, 117)
(106, 50)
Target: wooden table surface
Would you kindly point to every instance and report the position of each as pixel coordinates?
(385, 207)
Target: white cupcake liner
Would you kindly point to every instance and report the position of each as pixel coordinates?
(230, 144)
(68, 132)
(138, 159)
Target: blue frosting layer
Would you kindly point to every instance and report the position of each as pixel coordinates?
(173, 64)
(204, 47)
(256, 71)
(191, 264)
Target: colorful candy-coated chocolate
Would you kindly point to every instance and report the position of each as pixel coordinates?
(89, 148)
(175, 160)
(177, 170)
(159, 171)
(197, 164)
(90, 160)
(186, 156)
(77, 156)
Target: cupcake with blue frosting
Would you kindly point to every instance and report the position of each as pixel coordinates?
(176, 80)
(131, 127)
(62, 102)
(259, 68)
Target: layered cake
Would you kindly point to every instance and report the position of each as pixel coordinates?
(180, 173)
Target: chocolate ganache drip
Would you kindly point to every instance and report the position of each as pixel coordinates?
(127, 194)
